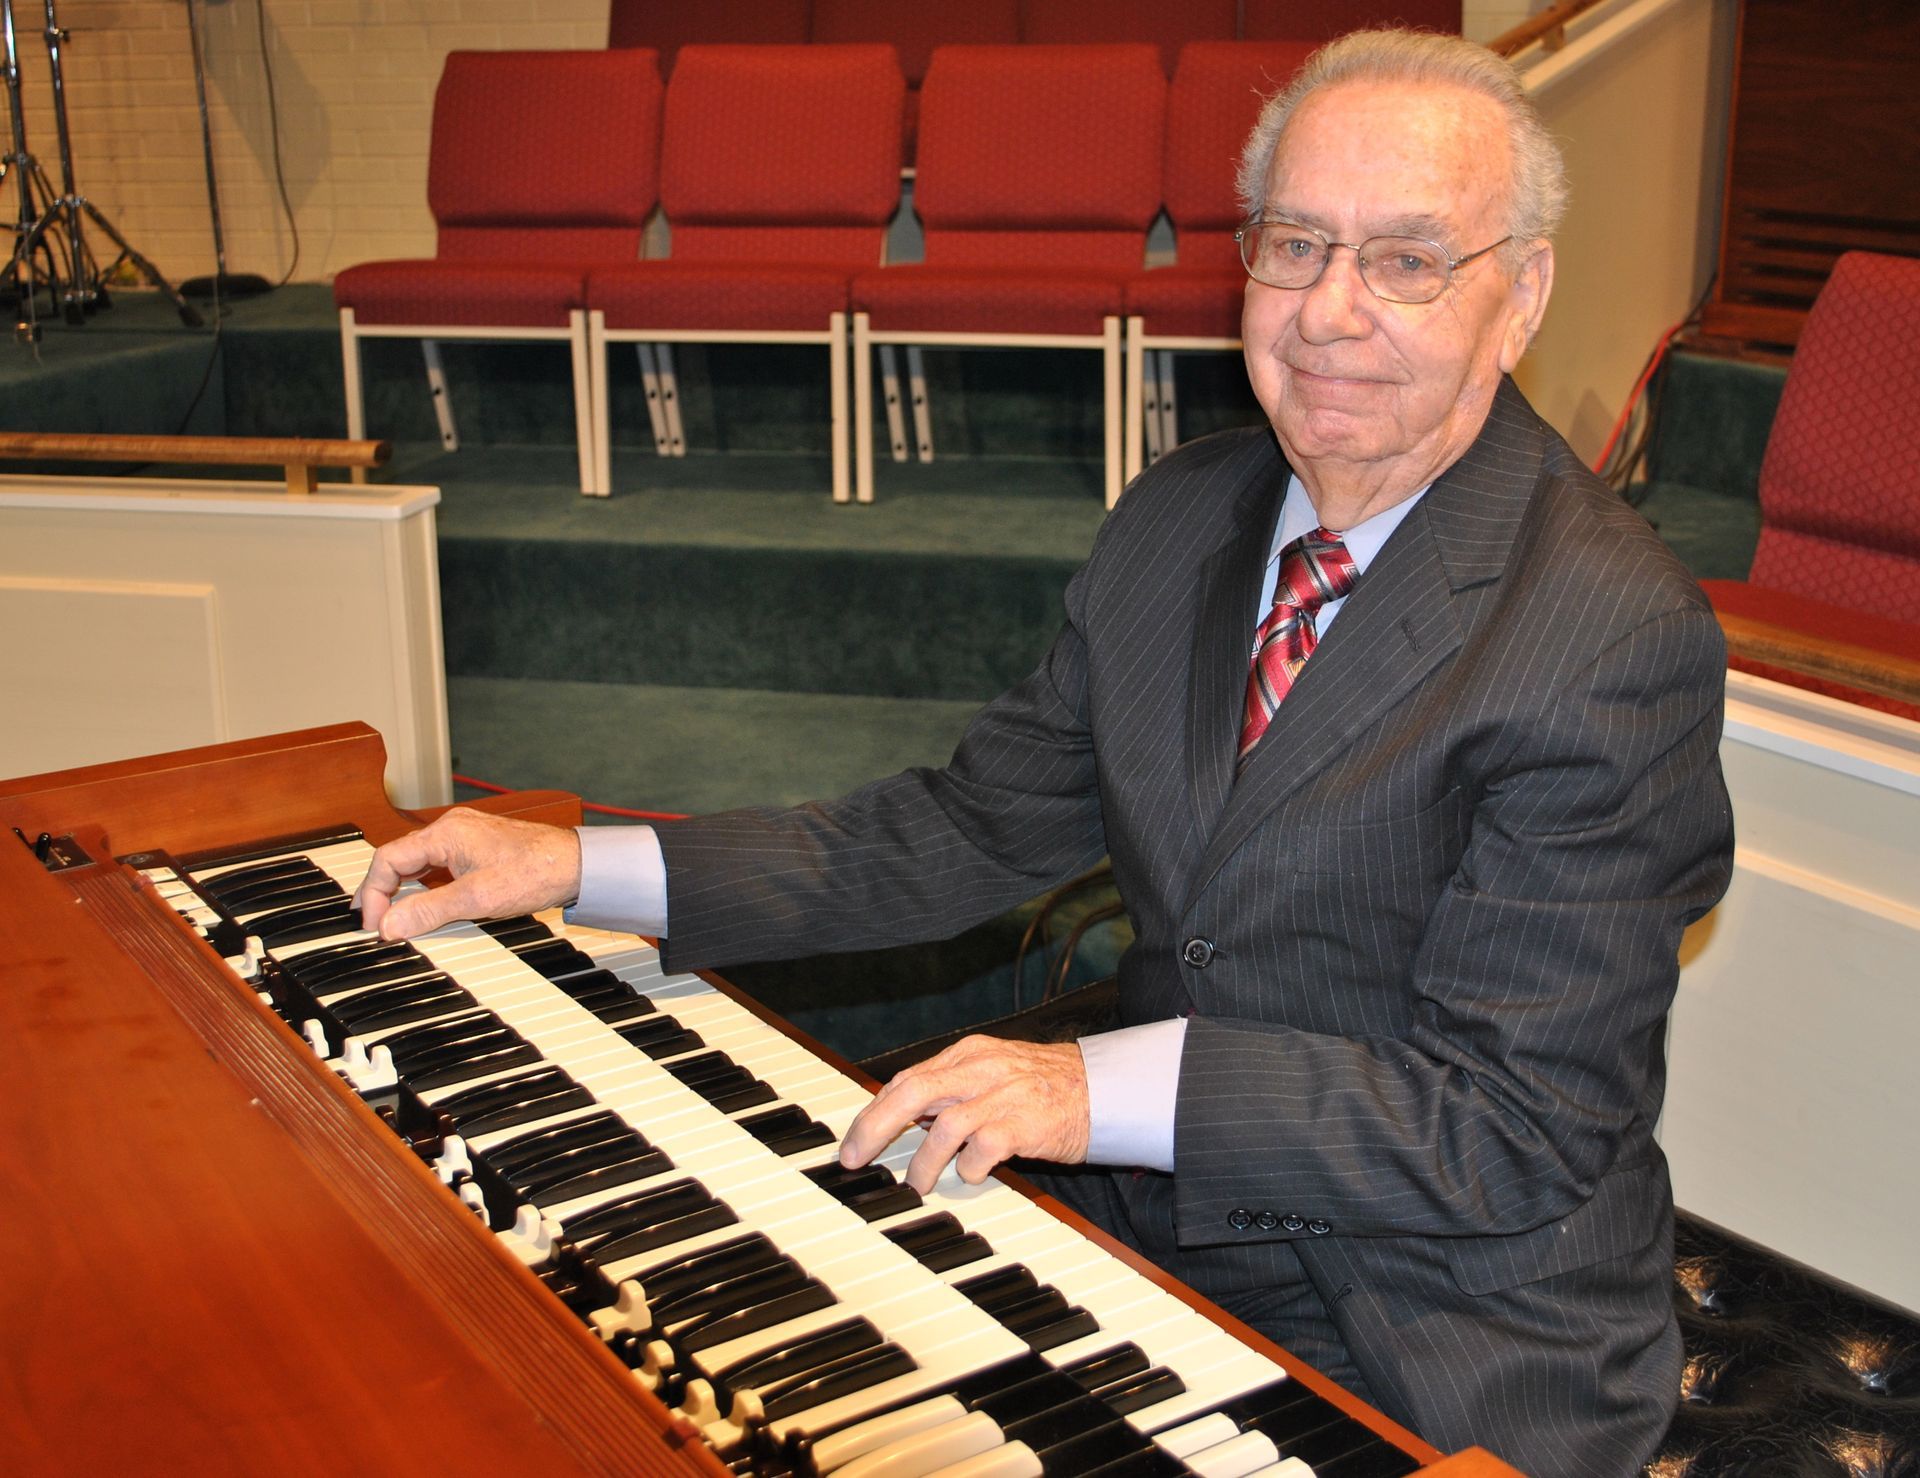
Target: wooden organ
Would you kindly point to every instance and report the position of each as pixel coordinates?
(221, 1256)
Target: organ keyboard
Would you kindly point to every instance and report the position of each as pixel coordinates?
(557, 1205)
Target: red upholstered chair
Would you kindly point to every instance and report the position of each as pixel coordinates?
(1322, 20)
(1156, 22)
(1194, 304)
(1039, 174)
(1839, 551)
(913, 30)
(779, 171)
(541, 163)
(668, 25)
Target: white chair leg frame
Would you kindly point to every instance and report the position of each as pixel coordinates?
(657, 374)
(866, 341)
(574, 336)
(1152, 408)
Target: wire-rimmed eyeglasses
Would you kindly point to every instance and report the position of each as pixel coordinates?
(1398, 269)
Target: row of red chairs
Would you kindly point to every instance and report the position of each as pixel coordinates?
(1041, 170)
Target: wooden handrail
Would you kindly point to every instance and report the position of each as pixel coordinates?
(1881, 673)
(1547, 29)
(299, 455)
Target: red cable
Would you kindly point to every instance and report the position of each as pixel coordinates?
(1633, 396)
(488, 785)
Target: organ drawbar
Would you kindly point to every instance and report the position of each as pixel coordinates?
(663, 1160)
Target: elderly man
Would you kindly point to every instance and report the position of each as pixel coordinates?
(1407, 884)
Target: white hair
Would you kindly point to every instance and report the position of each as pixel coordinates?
(1537, 194)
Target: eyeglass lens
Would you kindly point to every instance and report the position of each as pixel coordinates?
(1401, 269)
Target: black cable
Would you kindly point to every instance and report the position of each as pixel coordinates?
(206, 375)
(279, 166)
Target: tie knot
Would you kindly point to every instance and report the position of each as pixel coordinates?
(1314, 569)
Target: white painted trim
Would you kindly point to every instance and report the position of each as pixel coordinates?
(715, 335)
(458, 331)
(1589, 36)
(269, 498)
(1880, 748)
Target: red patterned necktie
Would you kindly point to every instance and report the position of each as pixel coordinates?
(1314, 569)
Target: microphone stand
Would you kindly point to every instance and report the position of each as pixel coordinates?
(223, 284)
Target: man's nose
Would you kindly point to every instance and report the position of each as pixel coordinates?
(1337, 304)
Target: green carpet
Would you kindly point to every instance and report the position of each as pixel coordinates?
(690, 750)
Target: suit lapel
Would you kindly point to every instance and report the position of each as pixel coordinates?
(1400, 622)
(1217, 666)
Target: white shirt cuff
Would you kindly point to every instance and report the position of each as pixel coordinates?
(1133, 1082)
(623, 881)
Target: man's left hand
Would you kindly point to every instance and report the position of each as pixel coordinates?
(983, 1100)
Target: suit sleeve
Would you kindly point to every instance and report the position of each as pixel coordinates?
(1535, 1056)
(918, 856)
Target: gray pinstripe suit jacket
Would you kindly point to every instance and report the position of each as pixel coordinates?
(1443, 904)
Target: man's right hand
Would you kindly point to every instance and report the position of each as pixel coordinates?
(501, 867)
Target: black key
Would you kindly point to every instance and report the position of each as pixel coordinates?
(843, 1184)
(554, 958)
(1122, 1362)
(1042, 1306)
(300, 887)
(595, 1170)
(1072, 1324)
(732, 1100)
(796, 1361)
(764, 1316)
(702, 1305)
(317, 969)
(710, 1264)
(970, 1248)
(708, 1218)
(545, 1084)
(641, 1209)
(387, 1007)
(237, 881)
(661, 1036)
(708, 1067)
(884, 1201)
(930, 1231)
(998, 1287)
(786, 1124)
(539, 1144)
(1138, 1392)
(372, 975)
(307, 921)
(856, 1373)
(520, 929)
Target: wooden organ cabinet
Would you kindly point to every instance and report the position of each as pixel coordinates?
(226, 1253)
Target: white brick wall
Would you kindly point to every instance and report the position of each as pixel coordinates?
(354, 81)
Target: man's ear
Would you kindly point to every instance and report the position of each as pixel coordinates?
(1527, 303)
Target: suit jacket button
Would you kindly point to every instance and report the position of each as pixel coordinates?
(1239, 1218)
(1197, 952)
(1318, 1227)
(1292, 1223)
(1266, 1221)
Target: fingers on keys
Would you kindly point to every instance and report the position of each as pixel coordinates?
(500, 867)
(982, 1101)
